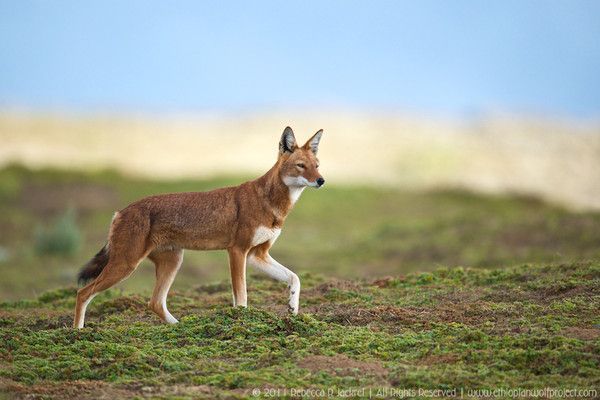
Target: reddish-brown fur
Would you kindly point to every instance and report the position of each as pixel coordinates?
(160, 227)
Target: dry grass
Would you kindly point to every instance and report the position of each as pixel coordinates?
(558, 161)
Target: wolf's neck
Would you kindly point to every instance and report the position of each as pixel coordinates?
(295, 192)
(277, 194)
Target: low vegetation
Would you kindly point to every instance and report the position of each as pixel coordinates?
(61, 238)
(385, 304)
(524, 327)
(349, 232)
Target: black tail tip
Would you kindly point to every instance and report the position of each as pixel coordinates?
(94, 267)
(85, 275)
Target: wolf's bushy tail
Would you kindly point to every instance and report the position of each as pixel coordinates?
(94, 267)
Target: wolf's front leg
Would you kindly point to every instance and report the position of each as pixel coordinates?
(275, 270)
(237, 266)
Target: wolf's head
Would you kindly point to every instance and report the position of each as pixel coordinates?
(299, 166)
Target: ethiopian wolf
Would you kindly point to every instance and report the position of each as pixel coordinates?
(245, 220)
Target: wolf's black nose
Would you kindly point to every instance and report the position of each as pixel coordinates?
(320, 181)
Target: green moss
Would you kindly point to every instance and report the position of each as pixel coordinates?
(473, 335)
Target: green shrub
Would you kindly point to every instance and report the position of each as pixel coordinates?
(62, 238)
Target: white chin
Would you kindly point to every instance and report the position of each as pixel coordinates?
(296, 181)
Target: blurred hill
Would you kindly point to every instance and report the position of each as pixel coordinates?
(552, 159)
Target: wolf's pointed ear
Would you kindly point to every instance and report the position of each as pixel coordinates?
(288, 141)
(313, 142)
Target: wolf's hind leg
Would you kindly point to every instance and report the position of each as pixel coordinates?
(167, 264)
(113, 273)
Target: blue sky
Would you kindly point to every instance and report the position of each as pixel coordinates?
(444, 57)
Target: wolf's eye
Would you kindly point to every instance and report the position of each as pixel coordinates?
(300, 165)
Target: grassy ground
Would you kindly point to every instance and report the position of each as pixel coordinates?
(340, 231)
(383, 305)
(527, 327)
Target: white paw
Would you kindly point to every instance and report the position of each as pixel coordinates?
(293, 310)
(171, 319)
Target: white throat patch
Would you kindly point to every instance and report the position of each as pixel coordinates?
(295, 193)
(296, 186)
(263, 234)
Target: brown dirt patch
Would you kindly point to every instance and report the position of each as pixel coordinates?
(345, 315)
(471, 308)
(36, 319)
(385, 281)
(342, 365)
(98, 390)
(502, 295)
(559, 292)
(197, 391)
(394, 319)
(543, 296)
(339, 284)
(459, 296)
(582, 333)
(436, 359)
(66, 390)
